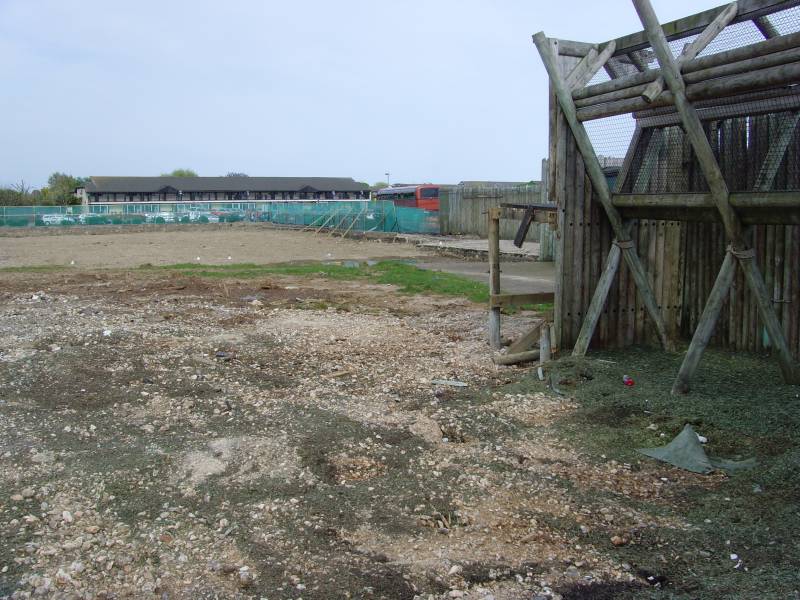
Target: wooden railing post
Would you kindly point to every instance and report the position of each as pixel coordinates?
(494, 276)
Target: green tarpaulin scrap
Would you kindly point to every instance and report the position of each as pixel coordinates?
(686, 452)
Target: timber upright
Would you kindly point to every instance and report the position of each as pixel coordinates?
(710, 180)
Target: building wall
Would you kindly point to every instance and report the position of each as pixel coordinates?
(220, 196)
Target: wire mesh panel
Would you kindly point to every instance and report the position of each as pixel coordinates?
(754, 135)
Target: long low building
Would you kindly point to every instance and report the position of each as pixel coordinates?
(101, 190)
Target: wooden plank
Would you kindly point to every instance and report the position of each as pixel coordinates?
(528, 339)
(579, 181)
(506, 300)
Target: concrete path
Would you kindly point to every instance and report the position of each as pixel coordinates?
(516, 277)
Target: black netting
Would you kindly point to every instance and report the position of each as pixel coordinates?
(755, 153)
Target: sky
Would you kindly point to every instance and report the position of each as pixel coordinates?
(429, 91)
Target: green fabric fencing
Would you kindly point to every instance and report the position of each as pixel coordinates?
(342, 216)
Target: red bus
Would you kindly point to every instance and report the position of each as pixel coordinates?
(417, 196)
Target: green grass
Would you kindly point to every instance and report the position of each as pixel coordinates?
(34, 269)
(741, 405)
(408, 278)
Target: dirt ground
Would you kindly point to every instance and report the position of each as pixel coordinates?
(279, 438)
(169, 437)
(108, 247)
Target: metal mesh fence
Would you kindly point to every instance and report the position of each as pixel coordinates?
(756, 153)
(342, 216)
(755, 137)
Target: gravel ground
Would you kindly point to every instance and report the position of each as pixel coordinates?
(116, 247)
(167, 437)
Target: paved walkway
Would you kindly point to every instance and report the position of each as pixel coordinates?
(518, 277)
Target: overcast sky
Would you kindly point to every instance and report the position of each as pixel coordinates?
(437, 91)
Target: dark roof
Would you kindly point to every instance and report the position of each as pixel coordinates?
(224, 184)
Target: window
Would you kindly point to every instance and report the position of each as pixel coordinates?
(429, 192)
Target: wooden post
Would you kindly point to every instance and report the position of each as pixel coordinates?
(514, 359)
(494, 276)
(705, 327)
(600, 185)
(544, 345)
(719, 189)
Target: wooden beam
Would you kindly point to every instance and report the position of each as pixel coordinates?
(739, 200)
(526, 340)
(494, 276)
(592, 315)
(780, 75)
(589, 66)
(766, 28)
(711, 215)
(524, 227)
(573, 48)
(706, 324)
(636, 62)
(719, 189)
(691, 50)
(505, 300)
(600, 185)
(695, 24)
(784, 42)
(514, 359)
(743, 105)
(743, 66)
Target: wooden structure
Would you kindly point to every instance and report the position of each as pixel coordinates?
(519, 350)
(705, 209)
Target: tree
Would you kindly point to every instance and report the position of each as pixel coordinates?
(180, 173)
(379, 184)
(235, 174)
(61, 189)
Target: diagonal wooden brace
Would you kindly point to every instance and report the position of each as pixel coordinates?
(589, 65)
(600, 185)
(705, 327)
(719, 189)
(690, 51)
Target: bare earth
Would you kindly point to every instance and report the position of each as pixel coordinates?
(207, 244)
(175, 438)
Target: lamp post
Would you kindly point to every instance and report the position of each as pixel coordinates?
(388, 183)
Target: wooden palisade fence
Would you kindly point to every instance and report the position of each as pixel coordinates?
(699, 237)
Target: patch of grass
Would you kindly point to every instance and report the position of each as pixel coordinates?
(408, 278)
(741, 405)
(34, 269)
